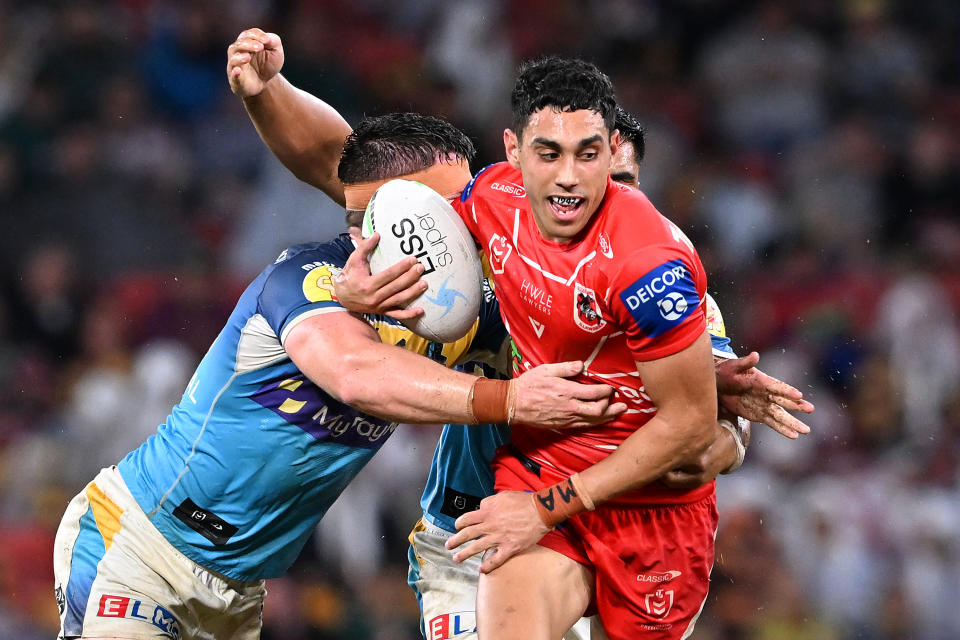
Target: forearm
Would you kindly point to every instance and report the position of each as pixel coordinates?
(303, 132)
(393, 383)
(647, 454)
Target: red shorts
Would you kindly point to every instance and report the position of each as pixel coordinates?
(651, 564)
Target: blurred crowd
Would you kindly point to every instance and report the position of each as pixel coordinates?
(811, 150)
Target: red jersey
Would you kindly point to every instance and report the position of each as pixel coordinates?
(629, 288)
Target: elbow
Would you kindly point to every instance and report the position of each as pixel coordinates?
(700, 434)
(348, 383)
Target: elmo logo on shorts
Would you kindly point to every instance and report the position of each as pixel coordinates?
(124, 607)
(450, 625)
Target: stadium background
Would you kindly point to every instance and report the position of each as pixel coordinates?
(809, 148)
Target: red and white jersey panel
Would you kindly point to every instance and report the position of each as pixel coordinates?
(630, 288)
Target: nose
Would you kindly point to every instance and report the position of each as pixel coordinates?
(566, 177)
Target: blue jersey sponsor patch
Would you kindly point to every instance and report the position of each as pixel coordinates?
(662, 299)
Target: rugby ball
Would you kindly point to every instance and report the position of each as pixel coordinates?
(414, 220)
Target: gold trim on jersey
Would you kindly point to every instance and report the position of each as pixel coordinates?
(452, 352)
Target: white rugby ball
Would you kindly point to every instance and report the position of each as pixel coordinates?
(414, 220)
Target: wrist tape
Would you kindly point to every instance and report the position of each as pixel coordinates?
(564, 499)
(741, 436)
(492, 401)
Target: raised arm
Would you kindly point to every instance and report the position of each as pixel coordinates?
(393, 383)
(303, 132)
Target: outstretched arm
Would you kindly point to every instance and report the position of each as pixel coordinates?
(393, 383)
(303, 132)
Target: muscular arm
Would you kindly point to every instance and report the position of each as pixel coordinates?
(683, 388)
(305, 133)
(377, 378)
(399, 385)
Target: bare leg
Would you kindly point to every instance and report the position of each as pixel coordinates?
(536, 595)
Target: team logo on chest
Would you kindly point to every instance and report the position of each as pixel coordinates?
(586, 312)
(499, 251)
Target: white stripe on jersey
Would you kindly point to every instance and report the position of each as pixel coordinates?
(536, 265)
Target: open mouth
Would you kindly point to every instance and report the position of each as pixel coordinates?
(565, 206)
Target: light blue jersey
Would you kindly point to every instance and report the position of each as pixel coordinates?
(255, 453)
(460, 475)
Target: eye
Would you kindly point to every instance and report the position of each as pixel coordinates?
(549, 155)
(589, 155)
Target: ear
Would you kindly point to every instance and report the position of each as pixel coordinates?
(511, 145)
(615, 141)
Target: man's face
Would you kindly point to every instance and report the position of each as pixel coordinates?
(624, 167)
(565, 159)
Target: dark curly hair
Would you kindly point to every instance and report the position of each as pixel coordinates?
(563, 84)
(388, 146)
(631, 131)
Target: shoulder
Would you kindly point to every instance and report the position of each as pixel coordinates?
(629, 210)
(498, 181)
(303, 274)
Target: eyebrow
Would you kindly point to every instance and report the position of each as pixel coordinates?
(552, 144)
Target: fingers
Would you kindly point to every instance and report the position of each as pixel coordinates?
(746, 362)
(795, 405)
(398, 285)
(467, 529)
(496, 557)
(594, 413)
(562, 369)
(785, 424)
(405, 314)
(253, 32)
(365, 247)
(472, 549)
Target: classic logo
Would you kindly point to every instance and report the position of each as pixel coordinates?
(586, 313)
(509, 188)
(498, 253)
(659, 602)
(318, 283)
(605, 247)
(659, 576)
(661, 299)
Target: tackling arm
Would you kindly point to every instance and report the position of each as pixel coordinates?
(402, 386)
